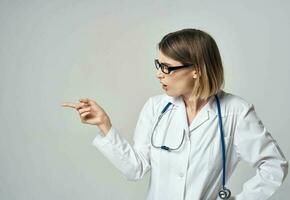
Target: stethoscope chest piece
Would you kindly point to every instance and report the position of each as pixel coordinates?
(224, 193)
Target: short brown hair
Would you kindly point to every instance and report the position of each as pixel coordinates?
(197, 47)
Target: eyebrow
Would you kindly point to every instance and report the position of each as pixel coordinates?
(165, 63)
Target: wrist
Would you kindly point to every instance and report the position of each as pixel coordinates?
(105, 127)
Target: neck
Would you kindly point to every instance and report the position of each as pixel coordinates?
(195, 105)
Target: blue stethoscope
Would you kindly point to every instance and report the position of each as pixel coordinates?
(224, 193)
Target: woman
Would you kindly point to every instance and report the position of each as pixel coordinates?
(192, 137)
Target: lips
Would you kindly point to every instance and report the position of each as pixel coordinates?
(163, 84)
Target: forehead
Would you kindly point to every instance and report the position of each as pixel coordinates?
(167, 60)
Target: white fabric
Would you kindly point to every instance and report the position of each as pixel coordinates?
(194, 172)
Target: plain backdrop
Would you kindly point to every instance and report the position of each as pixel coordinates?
(56, 51)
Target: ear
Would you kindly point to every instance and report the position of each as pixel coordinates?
(194, 74)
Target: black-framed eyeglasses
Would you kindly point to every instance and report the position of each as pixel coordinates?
(168, 69)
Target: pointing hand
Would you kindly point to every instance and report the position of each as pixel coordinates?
(90, 112)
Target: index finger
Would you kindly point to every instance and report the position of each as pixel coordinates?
(69, 104)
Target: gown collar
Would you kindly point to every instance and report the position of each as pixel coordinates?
(208, 110)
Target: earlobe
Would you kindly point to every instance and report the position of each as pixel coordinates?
(194, 74)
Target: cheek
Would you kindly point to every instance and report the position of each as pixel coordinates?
(176, 88)
(182, 85)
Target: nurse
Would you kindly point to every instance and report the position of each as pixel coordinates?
(192, 137)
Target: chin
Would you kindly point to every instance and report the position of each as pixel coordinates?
(172, 95)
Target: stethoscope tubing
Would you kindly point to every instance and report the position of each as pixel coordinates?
(224, 193)
(222, 139)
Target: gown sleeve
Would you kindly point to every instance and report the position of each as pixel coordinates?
(256, 146)
(133, 161)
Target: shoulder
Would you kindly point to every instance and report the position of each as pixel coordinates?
(156, 102)
(232, 104)
(159, 99)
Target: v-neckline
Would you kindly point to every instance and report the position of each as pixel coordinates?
(190, 121)
(189, 124)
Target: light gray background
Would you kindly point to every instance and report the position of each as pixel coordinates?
(55, 51)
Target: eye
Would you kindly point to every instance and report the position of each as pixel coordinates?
(165, 69)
